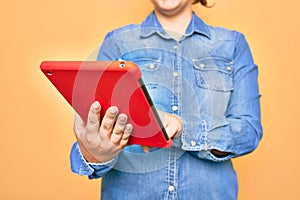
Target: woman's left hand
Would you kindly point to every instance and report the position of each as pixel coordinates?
(173, 126)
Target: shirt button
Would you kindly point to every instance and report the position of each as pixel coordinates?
(151, 66)
(175, 47)
(193, 143)
(171, 188)
(175, 74)
(201, 65)
(174, 108)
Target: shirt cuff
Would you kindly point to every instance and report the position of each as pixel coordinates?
(101, 163)
(78, 163)
(200, 143)
(94, 170)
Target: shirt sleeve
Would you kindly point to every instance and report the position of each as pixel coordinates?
(93, 170)
(242, 131)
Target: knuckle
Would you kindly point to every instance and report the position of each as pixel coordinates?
(123, 143)
(118, 132)
(93, 115)
(106, 126)
(119, 129)
(92, 120)
(116, 138)
(125, 136)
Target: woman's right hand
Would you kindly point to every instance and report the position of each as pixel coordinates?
(99, 141)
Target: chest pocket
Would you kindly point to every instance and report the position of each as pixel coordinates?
(214, 73)
(149, 69)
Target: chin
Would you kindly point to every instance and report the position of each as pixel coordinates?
(166, 4)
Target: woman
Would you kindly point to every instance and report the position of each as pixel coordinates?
(204, 81)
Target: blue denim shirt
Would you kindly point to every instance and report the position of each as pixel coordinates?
(209, 80)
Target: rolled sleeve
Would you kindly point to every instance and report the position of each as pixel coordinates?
(93, 170)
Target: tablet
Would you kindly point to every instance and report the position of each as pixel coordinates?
(112, 83)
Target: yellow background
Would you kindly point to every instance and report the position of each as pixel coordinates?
(36, 122)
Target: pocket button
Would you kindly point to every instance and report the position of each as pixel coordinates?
(228, 68)
(151, 66)
(193, 143)
(202, 66)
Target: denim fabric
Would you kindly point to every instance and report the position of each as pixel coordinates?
(207, 78)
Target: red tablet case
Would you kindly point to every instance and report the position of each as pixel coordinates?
(112, 83)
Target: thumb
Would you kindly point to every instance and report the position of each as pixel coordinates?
(162, 116)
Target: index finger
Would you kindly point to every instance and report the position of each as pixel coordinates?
(93, 121)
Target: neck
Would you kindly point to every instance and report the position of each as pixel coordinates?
(175, 24)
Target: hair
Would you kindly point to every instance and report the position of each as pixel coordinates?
(203, 3)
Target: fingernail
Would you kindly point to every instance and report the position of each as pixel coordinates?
(96, 105)
(122, 117)
(128, 127)
(145, 149)
(113, 110)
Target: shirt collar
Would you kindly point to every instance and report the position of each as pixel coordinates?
(151, 25)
